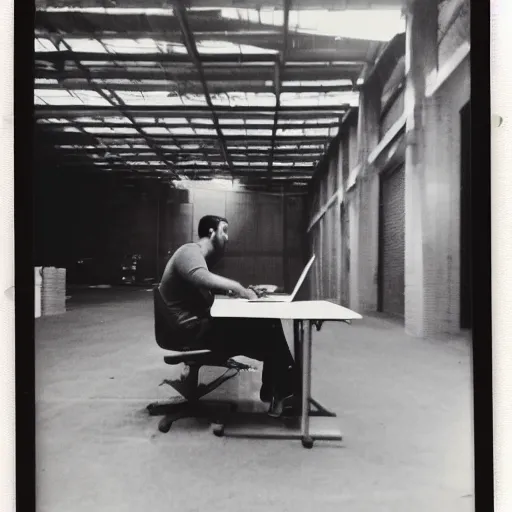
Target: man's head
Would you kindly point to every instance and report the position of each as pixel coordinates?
(215, 229)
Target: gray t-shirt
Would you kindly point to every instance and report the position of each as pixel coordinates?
(181, 292)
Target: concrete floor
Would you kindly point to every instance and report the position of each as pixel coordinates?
(404, 406)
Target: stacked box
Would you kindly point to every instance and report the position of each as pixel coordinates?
(38, 283)
(53, 293)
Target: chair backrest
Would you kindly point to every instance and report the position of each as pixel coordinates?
(163, 334)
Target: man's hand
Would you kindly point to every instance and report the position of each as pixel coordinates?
(258, 290)
(263, 289)
(249, 294)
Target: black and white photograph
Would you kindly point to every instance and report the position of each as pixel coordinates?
(253, 252)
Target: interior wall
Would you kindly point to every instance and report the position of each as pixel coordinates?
(433, 185)
(265, 232)
(331, 236)
(443, 179)
(98, 218)
(432, 195)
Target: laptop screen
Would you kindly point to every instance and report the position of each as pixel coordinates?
(302, 277)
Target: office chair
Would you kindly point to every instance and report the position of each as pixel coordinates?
(188, 386)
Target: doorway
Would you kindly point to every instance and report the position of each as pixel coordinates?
(344, 258)
(465, 218)
(391, 269)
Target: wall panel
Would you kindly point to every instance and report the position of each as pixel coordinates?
(333, 253)
(182, 227)
(352, 148)
(269, 224)
(242, 213)
(254, 269)
(295, 227)
(392, 243)
(207, 202)
(344, 257)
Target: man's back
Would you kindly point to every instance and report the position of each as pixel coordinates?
(178, 291)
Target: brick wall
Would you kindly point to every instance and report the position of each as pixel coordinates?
(392, 242)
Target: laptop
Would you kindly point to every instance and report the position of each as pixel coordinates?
(284, 297)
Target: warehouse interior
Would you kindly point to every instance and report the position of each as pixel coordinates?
(340, 129)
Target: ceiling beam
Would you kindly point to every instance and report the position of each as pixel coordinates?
(197, 139)
(206, 169)
(190, 44)
(279, 68)
(179, 159)
(207, 59)
(68, 111)
(295, 74)
(228, 58)
(157, 124)
(335, 5)
(190, 87)
(120, 105)
(237, 154)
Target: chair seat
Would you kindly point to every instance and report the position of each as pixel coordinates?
(190, 357)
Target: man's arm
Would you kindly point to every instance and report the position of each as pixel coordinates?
(192, 266)
(206, 279)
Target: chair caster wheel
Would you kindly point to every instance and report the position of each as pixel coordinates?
(307, 442)
(218, 429)
(164, 425)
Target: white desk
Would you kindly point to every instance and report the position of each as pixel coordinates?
(312, 312)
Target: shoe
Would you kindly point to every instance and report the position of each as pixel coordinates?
(287, 406)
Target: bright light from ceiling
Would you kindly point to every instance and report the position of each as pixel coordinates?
(212, 184)
(113, 10)
(369, 24)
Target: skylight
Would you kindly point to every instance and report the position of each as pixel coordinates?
(205, 131)
(319, 132)
(226, 120)
(156, 130)
(248, 129)
(314, 98)
(42, 44)
(209, 47)
(267, 120)
(113, 131)
(321, 83)
(114, 10)
(53, 121)
(160, 98)
(202, 120)
(244, 99)
(368, 24)
(64, 97)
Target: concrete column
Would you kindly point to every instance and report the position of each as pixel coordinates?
(428, 262)
(368, 191)
(353, 215)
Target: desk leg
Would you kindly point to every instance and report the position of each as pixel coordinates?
(257, 425)
(307, 441)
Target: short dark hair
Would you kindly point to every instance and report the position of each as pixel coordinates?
(209, 222)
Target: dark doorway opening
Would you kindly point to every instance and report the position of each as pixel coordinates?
(391, 268)
(345, 258)
(465, 218)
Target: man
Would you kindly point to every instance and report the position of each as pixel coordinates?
(187, 289)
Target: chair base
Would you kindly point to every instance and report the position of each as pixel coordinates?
(214, 411)
(191, 404)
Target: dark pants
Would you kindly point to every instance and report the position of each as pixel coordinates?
(260, 339)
